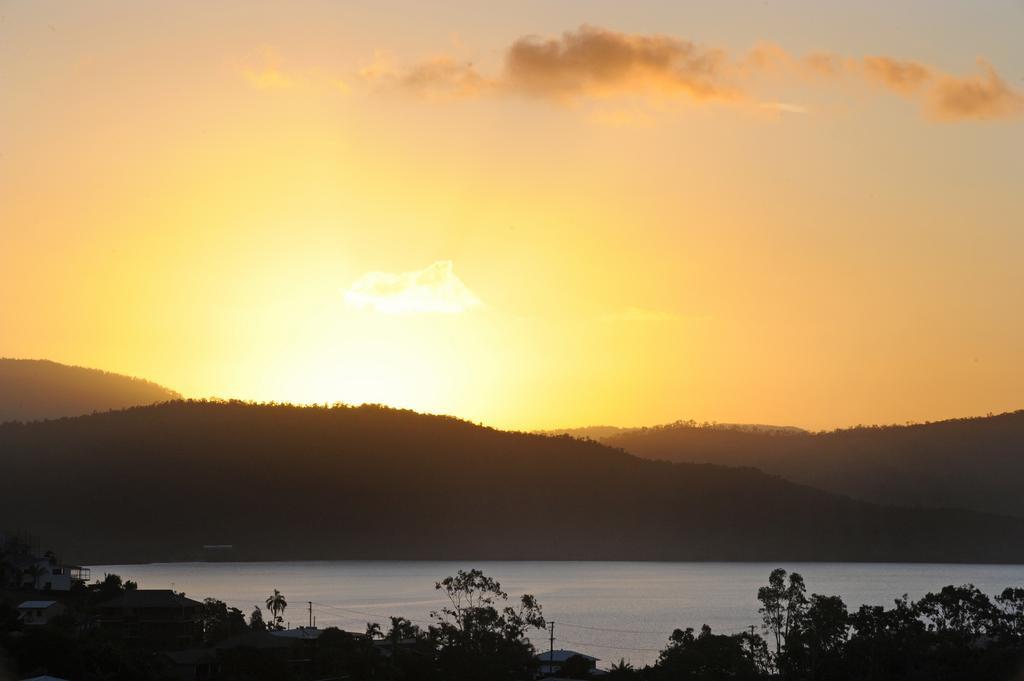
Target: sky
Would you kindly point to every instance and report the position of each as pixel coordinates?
(529, 214)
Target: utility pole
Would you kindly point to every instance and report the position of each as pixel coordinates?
(311, 614)
(551, 650)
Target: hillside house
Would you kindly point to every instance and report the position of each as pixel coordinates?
(47, 574)
(551, 662)
(154, 619)
(36, 613)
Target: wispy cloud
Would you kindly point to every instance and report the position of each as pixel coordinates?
(267, 74)
(597, 64)
(434, 289)
(784, 107)
(981, 96)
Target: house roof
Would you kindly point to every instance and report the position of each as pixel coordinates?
(300, 632)
(36, 605)
(561, 655)
(150, 598)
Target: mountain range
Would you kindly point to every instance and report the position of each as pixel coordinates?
(285, 482)
(34, 389)
(973, 463)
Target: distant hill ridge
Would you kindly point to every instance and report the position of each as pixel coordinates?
(606, 432)
(35, 389)
(285, 482)
(975, 463)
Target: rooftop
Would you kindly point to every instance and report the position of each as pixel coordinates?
(561, 655)
(36, 605)
(150, 598)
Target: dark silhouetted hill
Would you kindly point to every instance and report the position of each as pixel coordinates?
(284, 482)
(35, 389)
(973, 463)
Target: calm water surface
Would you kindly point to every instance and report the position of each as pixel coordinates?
(643, 602)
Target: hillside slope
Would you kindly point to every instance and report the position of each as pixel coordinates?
(34, 389)
(282, 482)
(974, 463)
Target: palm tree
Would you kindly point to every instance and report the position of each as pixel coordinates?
(622, 670)
(276, 605)
(35, 572)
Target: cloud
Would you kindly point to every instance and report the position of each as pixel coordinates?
(597, 64)
(268, 75)
(592, 61)
(434, 289)
(446, 76)
(980, 96)
(945, 96)
(905, 77)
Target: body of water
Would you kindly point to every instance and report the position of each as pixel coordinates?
(610, 610)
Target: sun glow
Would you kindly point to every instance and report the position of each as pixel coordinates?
(521, 230)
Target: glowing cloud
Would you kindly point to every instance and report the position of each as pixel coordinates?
(592, 63)
(981, 96)
(597, 61)
(434, 289)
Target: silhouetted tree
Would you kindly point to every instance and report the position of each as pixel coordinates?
(708, 656)
(276, 604)
(783, 604)
(256, 622)
(220, 622)
(477, 635)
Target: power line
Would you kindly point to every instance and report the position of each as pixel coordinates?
(633, 631)
(364, 613)
(615, 631)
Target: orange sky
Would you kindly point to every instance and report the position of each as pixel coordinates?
(531, 216)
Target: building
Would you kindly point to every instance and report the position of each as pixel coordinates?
(47, 574)
(155, 619)
(291, 649)
(24, 567)
(551, 662)
(39, 612)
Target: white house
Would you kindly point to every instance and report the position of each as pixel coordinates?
(39, 612)
(45, 574)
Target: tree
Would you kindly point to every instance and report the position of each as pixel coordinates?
(708, 656)
(35, 572)
(478, 635)
(814, 646)
(576, 667)
(219, 621)
(958, 609)
(256, 622)
(1011, 607)
(276, 604)
(621, 670)
(783, 604)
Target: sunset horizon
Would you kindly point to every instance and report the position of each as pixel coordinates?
(511, 341)
(606, 218)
